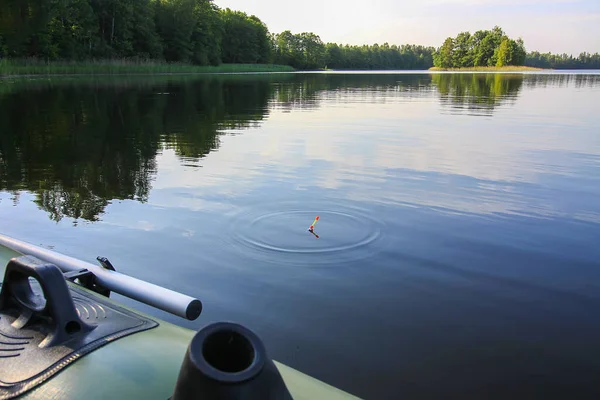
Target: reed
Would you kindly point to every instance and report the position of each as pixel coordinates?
(32, 66)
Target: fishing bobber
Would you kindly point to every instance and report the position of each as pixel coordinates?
(314, 223)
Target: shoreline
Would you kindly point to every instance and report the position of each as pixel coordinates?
(35, 68)
(511, 68)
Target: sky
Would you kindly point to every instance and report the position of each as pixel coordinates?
(558, 26)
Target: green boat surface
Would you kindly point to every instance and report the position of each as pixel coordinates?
(144, 365)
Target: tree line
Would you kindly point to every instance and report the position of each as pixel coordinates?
(307, 51)
(563, 61)
(187, 31)
(184, 31)
(199, 32)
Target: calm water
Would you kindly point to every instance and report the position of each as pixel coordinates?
(459, 215)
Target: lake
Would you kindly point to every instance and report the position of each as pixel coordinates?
(458, 241)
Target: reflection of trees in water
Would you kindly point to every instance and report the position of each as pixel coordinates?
(74, 203)
(562, 80)
(80, 143)
(477, 93)
(308, 90)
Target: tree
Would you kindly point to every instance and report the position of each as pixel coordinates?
(175, 22)
(146, 42)
(116, 20)
(24, 25)
(313, 51)
(510, 52)
(73, 28)
(505, 53)
(207, 35)
(563, 61)
(462, 55)
(444, 57)
(288, 49)
(333, 56)
(245, 38)
(520, 53)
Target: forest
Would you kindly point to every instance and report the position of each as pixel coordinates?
(198, 32)
(178, 31)
(563, 61)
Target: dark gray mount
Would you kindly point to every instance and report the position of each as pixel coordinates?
(43, 333)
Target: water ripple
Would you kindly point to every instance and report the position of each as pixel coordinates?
(279, 232)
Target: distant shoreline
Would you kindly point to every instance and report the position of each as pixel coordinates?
(510, 68)
(29, 68)
(121, 67)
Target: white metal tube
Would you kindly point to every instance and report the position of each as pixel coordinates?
(142, 291)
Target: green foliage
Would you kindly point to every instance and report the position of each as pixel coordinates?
(175, 23)
(510, 52)
(461, 54)
(200, 33)
(483, 48)
(3, 49)
(146, 41)
(386, 57)
(443, 58)
(245, 38)
(307, 51)
(174, 30)
(12, 67)
(563, 61)
(207, 35)
(313, 50)
(178, 31)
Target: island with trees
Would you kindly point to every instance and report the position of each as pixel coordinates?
(493, 49)
(155, 36)
(489, 48)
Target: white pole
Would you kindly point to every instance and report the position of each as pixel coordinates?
(145, 292)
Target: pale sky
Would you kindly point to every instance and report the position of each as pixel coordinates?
(559, 26)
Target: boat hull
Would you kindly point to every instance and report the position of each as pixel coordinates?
(146, 365)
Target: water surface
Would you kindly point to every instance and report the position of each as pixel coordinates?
(459, 215)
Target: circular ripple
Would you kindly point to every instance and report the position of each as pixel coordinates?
(274, 231)
(345, 234)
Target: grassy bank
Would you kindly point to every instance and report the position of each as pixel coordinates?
(122, 67)
(509, 68)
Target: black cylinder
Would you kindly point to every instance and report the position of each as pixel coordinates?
(227, 361)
